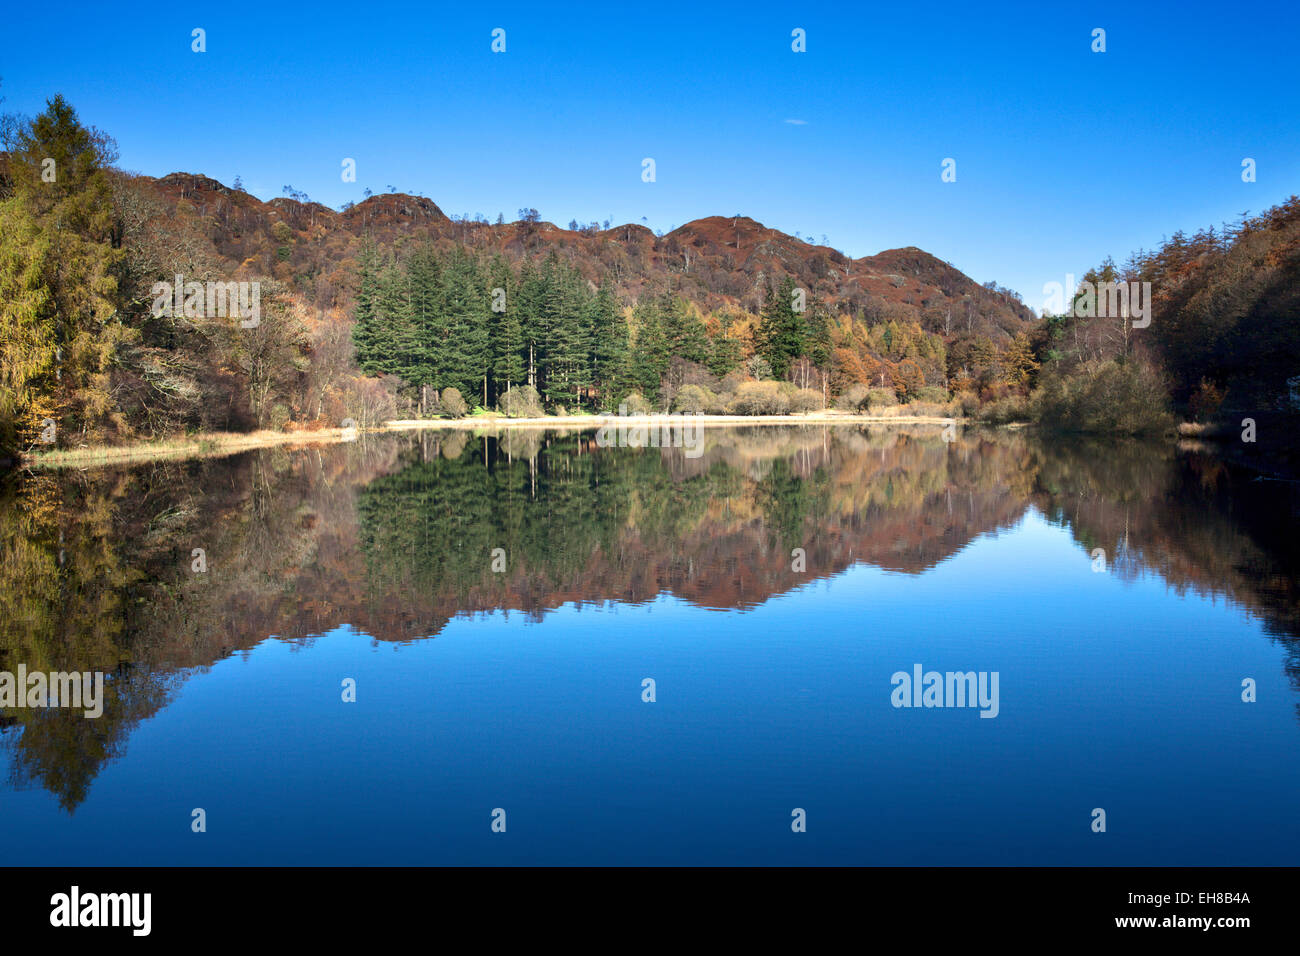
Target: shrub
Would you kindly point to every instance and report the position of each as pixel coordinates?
(759, 398)
(522, 401)
(452, 404)
(853, 398)
(806, 400)
(636, 404)
(933, 394)
(879, 397)
(1012, 408)
(694, 400)
(1111, 397)
(968, 403)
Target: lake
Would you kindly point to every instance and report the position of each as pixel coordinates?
(443, 647)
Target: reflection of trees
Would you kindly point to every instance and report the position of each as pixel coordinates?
(1199, 524)
(395, 537)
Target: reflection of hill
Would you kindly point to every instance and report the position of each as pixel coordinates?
(583, 524)
(396, 537)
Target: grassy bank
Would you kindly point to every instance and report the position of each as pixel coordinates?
(217, 444)
(204, 445)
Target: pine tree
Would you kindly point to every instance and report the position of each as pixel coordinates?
(650, 354)
(364, 329)
(58, 355)
(506, 336)
(684, 329)
(782, 331)
(467, 333)
(609, 349)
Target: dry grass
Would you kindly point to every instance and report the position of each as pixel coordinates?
(218, 444)
(207, 445)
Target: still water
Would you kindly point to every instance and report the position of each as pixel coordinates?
(500, 603)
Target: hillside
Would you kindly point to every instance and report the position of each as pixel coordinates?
(392, 303)
(717, 261)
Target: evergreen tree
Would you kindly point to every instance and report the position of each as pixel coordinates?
(609, 348)
(426, 356)
(782, 331)
(59, 270)
(467, 332)
(650, 355)
(506, 336)
(684, 329)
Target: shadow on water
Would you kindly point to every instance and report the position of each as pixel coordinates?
(152, 573)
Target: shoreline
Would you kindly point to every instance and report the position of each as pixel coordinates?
(221, 444)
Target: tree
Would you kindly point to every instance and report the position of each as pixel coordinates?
(609, 344)
(684, 329)
(1018, 364)
(651, 354)
(67, 327)
(506, 335)
(782, 331)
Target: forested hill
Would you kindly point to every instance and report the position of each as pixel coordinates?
(715, 262)
(387, 303)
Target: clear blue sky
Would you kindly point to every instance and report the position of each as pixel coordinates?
(1063, 155)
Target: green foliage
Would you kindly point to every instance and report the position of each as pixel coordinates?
(651, 351)
(782, 332)
(59, 267)
(1004, 411)
(881, 398)
(929, 393)
(695, 400)
(436, 319)
(1107, 396)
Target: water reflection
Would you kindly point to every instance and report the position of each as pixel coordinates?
(396, 536)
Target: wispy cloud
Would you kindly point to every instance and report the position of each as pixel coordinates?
(795, 122)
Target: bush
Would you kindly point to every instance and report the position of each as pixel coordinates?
(522, 401)
(1003, 411)
(933, 394)
(452, 404)
(1110, 397)
(880, 397)
(635, 404)
(695, 400)
(968, 403)
(806, 400)
(853, 398)
(759, 398)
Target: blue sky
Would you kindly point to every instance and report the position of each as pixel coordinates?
(1063, 155)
